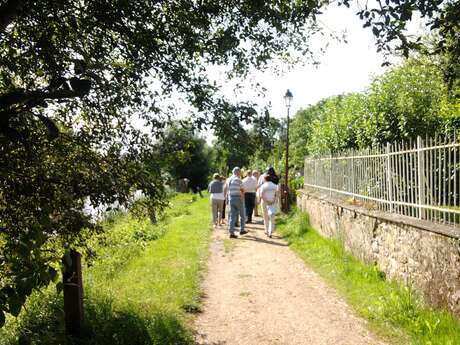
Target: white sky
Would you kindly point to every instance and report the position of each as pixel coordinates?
(345, 67)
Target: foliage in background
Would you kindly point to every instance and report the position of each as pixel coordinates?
(189, 156)
(141, 282)
(45, 186)
(245, 147)
(406, 101)
(393, 309)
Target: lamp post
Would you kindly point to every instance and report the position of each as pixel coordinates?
(288, 100)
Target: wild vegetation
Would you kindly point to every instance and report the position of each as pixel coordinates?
(142, 281)
(408, 100)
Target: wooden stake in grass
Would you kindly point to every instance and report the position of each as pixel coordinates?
(73, 294)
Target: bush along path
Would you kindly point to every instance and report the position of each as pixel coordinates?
(140, 289)
(259, 292)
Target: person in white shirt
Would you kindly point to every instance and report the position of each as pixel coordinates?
(249, 186)
(268, 193)
(234, 190)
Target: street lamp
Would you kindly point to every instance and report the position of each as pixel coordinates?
(288, 100)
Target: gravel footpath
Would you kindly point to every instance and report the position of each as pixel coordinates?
(257, 292)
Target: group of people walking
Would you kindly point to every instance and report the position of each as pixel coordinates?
(242, 196)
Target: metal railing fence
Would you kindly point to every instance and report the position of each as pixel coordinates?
(416, 178)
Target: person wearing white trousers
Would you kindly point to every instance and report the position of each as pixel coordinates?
(268, 194)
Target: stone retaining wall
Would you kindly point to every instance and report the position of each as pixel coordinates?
(421, 253)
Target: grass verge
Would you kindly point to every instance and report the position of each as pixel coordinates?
(141, 288)
(393, 310)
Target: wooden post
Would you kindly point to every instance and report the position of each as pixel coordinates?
(73, 294)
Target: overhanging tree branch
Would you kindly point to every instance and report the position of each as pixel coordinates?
(8, 11)
(21, 97)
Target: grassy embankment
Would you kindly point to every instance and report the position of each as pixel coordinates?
(140, 289)
(393, 310)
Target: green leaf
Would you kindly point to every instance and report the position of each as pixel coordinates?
(2, 318)
(375, 31)
(59, 287)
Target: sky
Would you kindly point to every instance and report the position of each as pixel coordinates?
(344, 67)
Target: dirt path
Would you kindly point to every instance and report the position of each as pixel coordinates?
(257, 291)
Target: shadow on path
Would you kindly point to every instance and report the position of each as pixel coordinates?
(261, 240)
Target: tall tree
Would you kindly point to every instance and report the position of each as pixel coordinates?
(188, 154)
(75, 78)
(97, 63)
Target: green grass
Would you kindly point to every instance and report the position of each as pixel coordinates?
(142, 285)
(393, 310)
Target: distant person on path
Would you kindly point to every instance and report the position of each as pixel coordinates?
(249, 186)
(256, 175)
(216, 189)
(268, 193)
(234, 190)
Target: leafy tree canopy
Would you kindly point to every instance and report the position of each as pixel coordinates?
(189, 156)
(98, 63)
(248, 146)
(408, 100)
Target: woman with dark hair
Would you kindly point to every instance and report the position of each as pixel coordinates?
(269, 193)
(272, 177)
